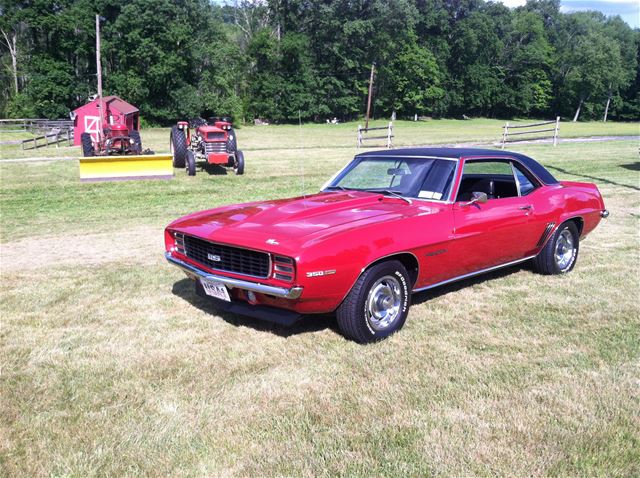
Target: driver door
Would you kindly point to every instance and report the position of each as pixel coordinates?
(498, 231)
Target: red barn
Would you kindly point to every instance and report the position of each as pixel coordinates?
(86, 119)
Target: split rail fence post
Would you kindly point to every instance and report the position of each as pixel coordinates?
(505, 132)
(389, 135)
(557, 130)
(359, 140)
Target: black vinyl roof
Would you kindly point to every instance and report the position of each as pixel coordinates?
(459, 153)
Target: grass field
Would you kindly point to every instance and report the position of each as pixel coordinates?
(313, 136)
(111, 366)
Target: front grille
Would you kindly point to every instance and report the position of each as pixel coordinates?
(231, 259)
(218, 147)
(217, 136)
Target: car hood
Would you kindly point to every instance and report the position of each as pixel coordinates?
(289, 222)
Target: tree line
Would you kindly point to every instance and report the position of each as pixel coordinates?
(291, 60)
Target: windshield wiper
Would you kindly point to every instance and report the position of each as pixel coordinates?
(340, 188)
(389, 192)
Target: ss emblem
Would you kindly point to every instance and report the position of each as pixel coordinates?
(213, 257)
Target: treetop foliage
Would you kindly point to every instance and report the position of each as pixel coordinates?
(282, 60)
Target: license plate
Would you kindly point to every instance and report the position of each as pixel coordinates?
(215, 289)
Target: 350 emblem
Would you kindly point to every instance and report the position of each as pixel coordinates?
(321, 273)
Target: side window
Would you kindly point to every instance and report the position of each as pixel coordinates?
(495, 178)
(525, 185)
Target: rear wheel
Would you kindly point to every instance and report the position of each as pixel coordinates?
(191, 163)
(178, 147)
(560, 253)
(377, 305)
(87, 145)
(137, 141)
(232, 142)
(238, 166)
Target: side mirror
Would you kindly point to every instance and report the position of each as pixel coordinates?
(477, 197)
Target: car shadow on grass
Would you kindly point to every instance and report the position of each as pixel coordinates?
(429, 294)
(596, 178)
(632, 166)
(185, 289)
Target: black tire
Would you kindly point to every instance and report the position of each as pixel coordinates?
(178, 147)
(238, 166)
(87, 145)
(232, 142)
(560, 254)
(355, 317)
(191, 163)
(137, 141)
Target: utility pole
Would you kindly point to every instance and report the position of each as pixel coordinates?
(366, 120)
(99, 72)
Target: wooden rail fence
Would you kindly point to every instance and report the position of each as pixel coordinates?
(362, 135)
(33, 125)
(46, 132)
(530, 133)
(55, 137)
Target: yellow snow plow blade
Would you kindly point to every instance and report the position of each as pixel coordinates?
(120, 168)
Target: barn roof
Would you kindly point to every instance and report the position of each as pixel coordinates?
(114, 102)
(120, 104)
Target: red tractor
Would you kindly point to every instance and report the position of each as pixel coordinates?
(212, 142)
(116, 139)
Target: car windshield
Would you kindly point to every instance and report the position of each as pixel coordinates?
(424, 178)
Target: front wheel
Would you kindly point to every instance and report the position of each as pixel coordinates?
(377, 305)
(191, 163)
(560, 253)
(238, 166)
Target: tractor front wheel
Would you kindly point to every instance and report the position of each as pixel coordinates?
(178, 147)
(238, 166)
(87, 145)
(191, 163)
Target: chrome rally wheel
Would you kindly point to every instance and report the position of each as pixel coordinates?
(378, 303)
(565, 250)
(560, 253)
(383, 303)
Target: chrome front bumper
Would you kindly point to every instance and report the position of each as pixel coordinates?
(192, 271)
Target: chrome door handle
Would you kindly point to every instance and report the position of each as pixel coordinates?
(526, 208)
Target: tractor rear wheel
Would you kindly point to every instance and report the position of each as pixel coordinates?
(178, 147)
(87, 145)
(137, 142)
(191, 163)
(232, 142)
(238, 166)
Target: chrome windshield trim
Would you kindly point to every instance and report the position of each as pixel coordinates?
(190, 270)
(472, 274)
(449, 200)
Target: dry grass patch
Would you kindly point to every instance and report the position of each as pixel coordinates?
(110, 365)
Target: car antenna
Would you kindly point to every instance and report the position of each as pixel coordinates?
(304, 195)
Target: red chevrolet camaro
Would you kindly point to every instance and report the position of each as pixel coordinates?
(389, 224)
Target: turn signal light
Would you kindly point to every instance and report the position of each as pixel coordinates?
(283, 268)
(179, 243)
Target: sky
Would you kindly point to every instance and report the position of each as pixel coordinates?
(629, 10)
